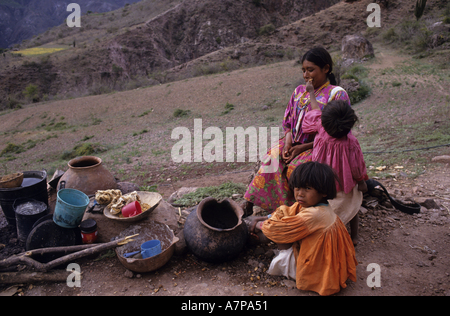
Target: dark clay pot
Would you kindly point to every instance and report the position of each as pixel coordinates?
(215, 232)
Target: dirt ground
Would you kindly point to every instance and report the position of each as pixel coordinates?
(412, 251)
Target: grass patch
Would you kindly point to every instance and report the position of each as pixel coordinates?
(12, 148)
(36, 51)
(181, 113)
(228, 108)
(358, 73)
(85, 149)
(220, 192)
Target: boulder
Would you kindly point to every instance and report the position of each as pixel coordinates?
(356, 47)
(110, 228)
(443, 159)
(180, 193)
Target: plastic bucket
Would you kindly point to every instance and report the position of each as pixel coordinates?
(27, 213)
(70, 207)
(34, 186)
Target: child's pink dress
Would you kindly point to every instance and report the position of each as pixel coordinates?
(344, 155)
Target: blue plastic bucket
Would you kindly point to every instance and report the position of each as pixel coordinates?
(70, 207)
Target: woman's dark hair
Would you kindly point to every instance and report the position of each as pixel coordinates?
(338, 118)
(316, 175)
(320, 57)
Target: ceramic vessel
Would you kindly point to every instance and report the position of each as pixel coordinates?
(87, 174)
(215, 232)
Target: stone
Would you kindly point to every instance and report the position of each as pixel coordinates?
(129, 274)
(290, 284)
(108, 229)
(429, 204)
(363, 210)
(356, 47)
(179, 193)
(127, 187)
(166, 214)
(442, 159)
(180, 246)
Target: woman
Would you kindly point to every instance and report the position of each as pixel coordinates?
(269, 190)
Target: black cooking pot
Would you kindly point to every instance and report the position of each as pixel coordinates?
(215, 232)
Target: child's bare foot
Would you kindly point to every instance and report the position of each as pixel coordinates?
(355, 240)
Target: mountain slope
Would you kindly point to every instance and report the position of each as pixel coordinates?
(21, 19)
(108, 56)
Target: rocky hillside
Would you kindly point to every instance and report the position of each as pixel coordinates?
(186, 31)
(182, 39)
(21, 19)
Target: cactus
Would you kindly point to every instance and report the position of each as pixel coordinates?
(420, 7)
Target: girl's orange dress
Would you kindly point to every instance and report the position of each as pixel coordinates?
(324, 252)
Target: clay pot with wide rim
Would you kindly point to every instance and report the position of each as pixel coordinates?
(87, 174)
(215, 232)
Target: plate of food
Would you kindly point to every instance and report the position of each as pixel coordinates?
(148, 202)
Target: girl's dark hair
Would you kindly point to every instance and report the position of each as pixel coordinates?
(338, 118)
(320, 57)
(316, 175)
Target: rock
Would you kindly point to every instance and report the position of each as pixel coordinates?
(127, 187)
(356, 47)
(236, 196)
(166, 214)
(180, 246)
(289, 284)
(108, 229)
(443, 159)
(429, 204)
(129, 274)
(179, 193)
(349, 85)
(363, 210)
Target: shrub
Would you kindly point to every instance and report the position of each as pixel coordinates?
(266, 29)
(31, 92)
(360, 94)
(12, 148)
(181, 113)
(220, 192)
(85, 149)
(228, 108)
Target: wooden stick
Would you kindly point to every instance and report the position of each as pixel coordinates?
(30, 277)
(26, 259)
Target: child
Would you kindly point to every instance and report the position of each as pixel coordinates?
(316, 248)
(337, 147)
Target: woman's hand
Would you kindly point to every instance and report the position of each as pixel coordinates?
(309, 86)
(297, 150)
(287, 146)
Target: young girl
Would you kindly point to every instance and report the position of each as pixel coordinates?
(338, 148)
(316, 249)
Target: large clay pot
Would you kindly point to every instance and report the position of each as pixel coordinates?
(215, 232)
(87, 174)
